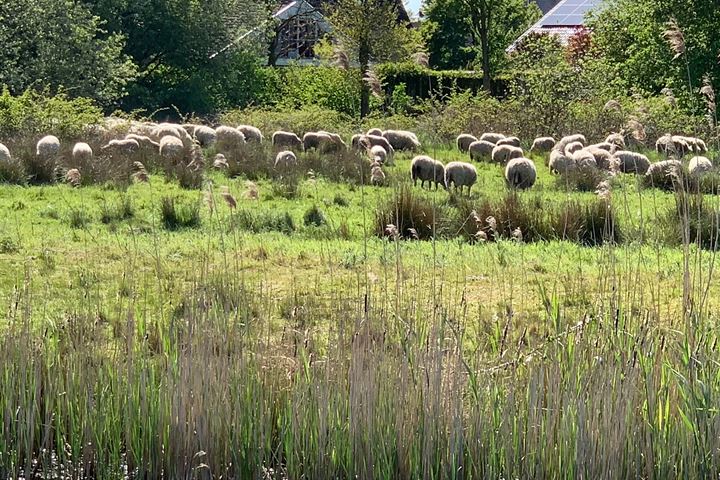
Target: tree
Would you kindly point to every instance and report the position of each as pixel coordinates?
(370, 31)
(61, 45)
(628, 38)
(463, 32)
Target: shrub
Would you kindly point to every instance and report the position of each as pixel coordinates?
(325, 87)
(176, 215)
(298, 120)
(409, 216)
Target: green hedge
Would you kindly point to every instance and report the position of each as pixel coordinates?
(423, 82)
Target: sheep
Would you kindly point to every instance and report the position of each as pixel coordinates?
(171, 147)
(48, 146)
(313, 140)
(502, 153)
(664, 174)
(463, 142)
(220, 162)
(481, 150)
(584, 160)
(607, 146)
(337, 140)
(165, 129)
(426, 169)
(205, 136)
(402, 140)
(700, 146)
(377, 176)
(682, 147)
(567, 140)
(670, 145)
(143, 129)
(603, 159)
(561, 163)
(284, 159)
(143, 141)
(492, 137)
(631, 162)
(460, 174)
(542, 144)
(520, 173)
(229, 138)
(699, 166)
(286, 139)
(512, 141)
(126, 146)
(616, 139)
(369, 141)
(573, 147)
(82, 152)
(378, 154)
(4, 154)
(252, 134)
(375, 132)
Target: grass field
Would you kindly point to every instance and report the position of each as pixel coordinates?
(159, 331)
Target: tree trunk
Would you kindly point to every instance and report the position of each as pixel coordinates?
(485, 45)
(364, 57)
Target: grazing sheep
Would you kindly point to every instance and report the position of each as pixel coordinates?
(377, 176)
(665, 145)
(143, 141)
(584, 160)
(48, 146)
(426, 169)
(502, 153)
(252, 134)
(664, 174)
(699, 166)
(520, 173)
(336, 140)
(360, 142)
(682, 147)
(167, 129)
(314, 140)
(512, 141)
(378, 154)
(286, 140)
(631, 162)
(616, 139)
(4, 154)
(607, 146)
(285, 159)
(460, 174)
(561, 163)
(375, 132)
(220, 162)
(82, 152)
(542, 144)
(205, 136)
(126, 146)
(463, 142)
(700, 146)
(229, 138)
(567, 140)
(481, 150)
(171, 147)
(402, 140)
(603, 159)
(573, 147)
(492, 137)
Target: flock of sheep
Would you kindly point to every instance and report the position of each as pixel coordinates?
(569, 154)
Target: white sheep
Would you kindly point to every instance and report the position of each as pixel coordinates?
(616, 139)
(664, 174)
(252, 134)
(631, 162)
(48, 146)
(205, 135)
(402, 140)
(573, 147)
(126, 146)
(229, 138)
(377, 176)
(481, 150)
(285, 159)
(143, 141)
(463, 142)
(520, 173)
(171, 147)
(561, 163)
(542, 144)
(378, 154)
(375, 131)
(607, 146)
(282, 139)
(502, 153)
(314, 140)
(699, 166)
(459, 175)
(360, 142)
(4, 154)
(427, 169)
(567, 140)
(337, 140)
(584, 160)
(82, 152)
(512, 141)
(492, 137)
(603, 159)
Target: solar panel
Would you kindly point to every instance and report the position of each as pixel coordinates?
(568, 12)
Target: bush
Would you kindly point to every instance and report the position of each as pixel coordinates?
(325, 87)
(421, 82)
(176, 215)
(314, 217)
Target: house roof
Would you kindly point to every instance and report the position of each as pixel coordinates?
(399, 5)
(563, 20)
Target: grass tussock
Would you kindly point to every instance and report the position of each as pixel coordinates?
(263, 221)
(177, 214)
(409, 216)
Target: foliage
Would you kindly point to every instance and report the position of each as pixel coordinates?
(314, 216)
(421, 82)
(325, 87)
(263, 221)
(61, 46)
(299, 120)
